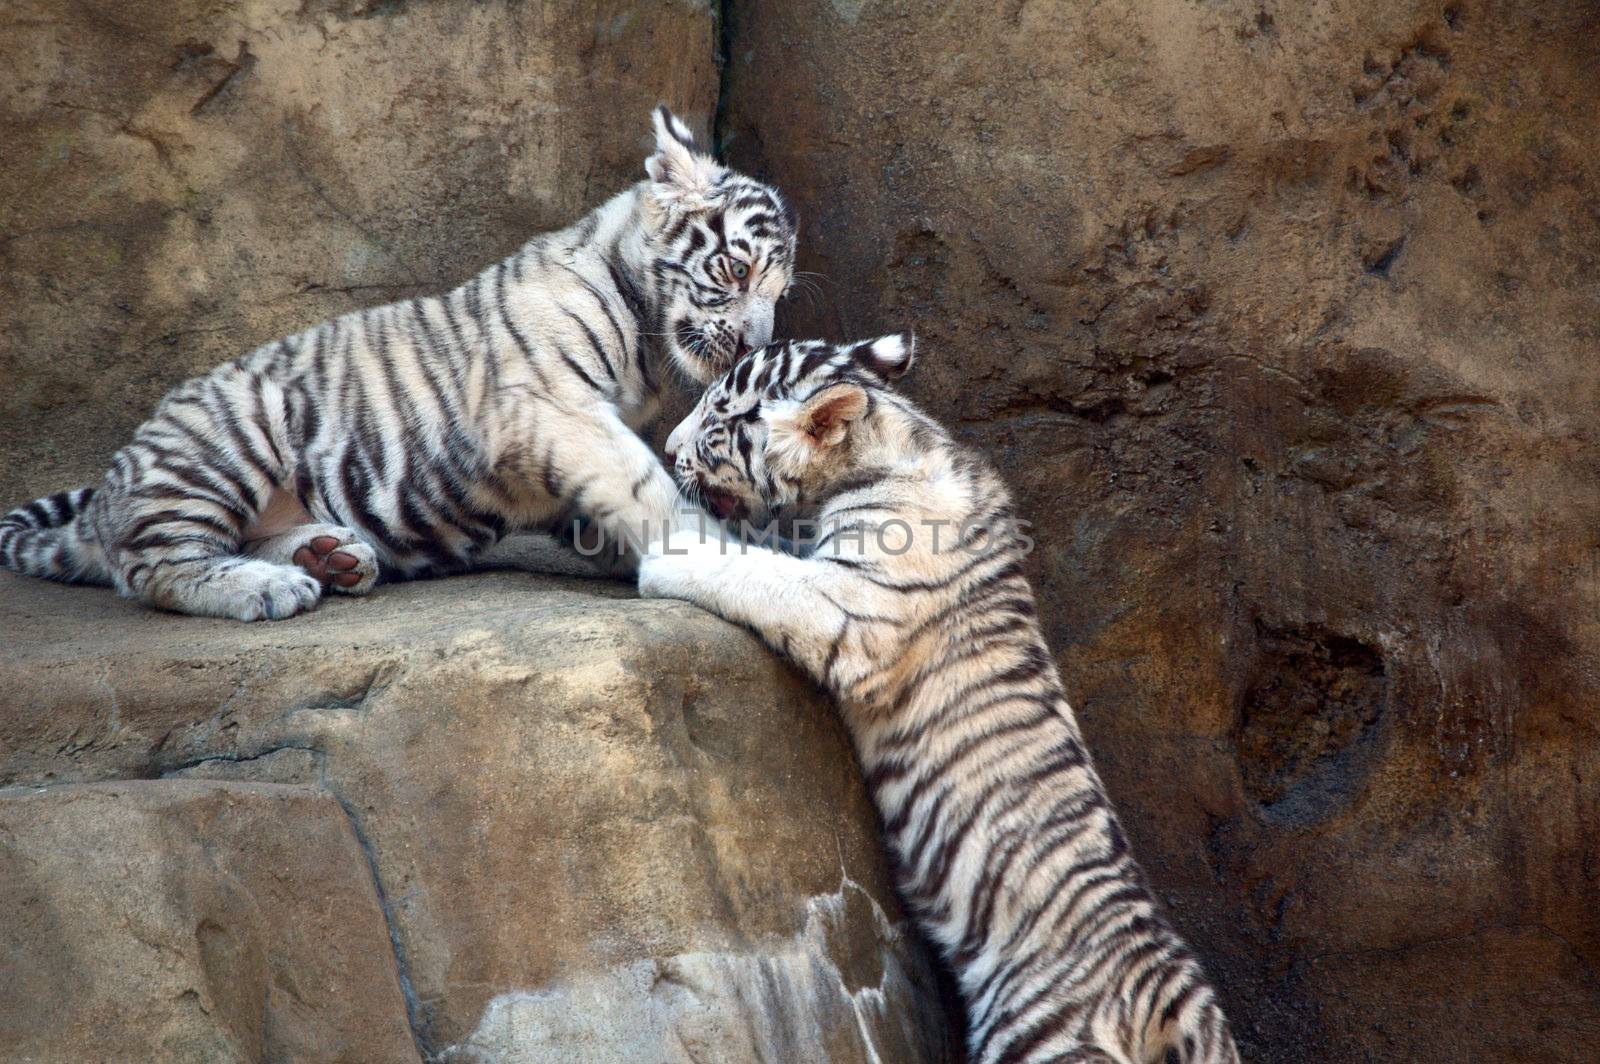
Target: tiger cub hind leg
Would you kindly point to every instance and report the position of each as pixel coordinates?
(236, 588)
(176, 546)
(332, 555)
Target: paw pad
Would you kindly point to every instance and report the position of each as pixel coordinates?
(339, 563)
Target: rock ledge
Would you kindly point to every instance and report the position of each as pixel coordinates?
(526, 820)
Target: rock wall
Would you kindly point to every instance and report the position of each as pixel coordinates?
(184, 179)
(1282, 317)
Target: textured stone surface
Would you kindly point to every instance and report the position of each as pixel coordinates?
(1282, 317)
(602, 829)
(191, 923)
(185, 179)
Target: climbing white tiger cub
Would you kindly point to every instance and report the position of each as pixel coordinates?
(912, 609)
(407, 439)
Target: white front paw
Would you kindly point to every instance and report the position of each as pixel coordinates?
(662, 576)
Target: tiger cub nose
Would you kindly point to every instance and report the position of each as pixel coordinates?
(676, 439)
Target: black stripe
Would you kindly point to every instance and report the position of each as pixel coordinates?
(628, 289)
(594, 342)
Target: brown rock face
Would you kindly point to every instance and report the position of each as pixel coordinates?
(183, 180)
(191, 923)
(1282, 318)
(601, 830)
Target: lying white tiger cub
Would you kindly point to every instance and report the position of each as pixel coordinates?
(912, 610)
(408, 439)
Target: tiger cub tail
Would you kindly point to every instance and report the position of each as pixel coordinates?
(44, 539)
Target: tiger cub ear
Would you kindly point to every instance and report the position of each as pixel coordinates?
(681, 177)
(825, 417)
(887, 357)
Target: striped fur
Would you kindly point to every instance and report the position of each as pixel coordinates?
(1006, 846)
(417, 434)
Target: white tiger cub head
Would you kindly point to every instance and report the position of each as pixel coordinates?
(788, 426)
(722, 248)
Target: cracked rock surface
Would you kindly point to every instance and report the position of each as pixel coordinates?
(596, 828)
